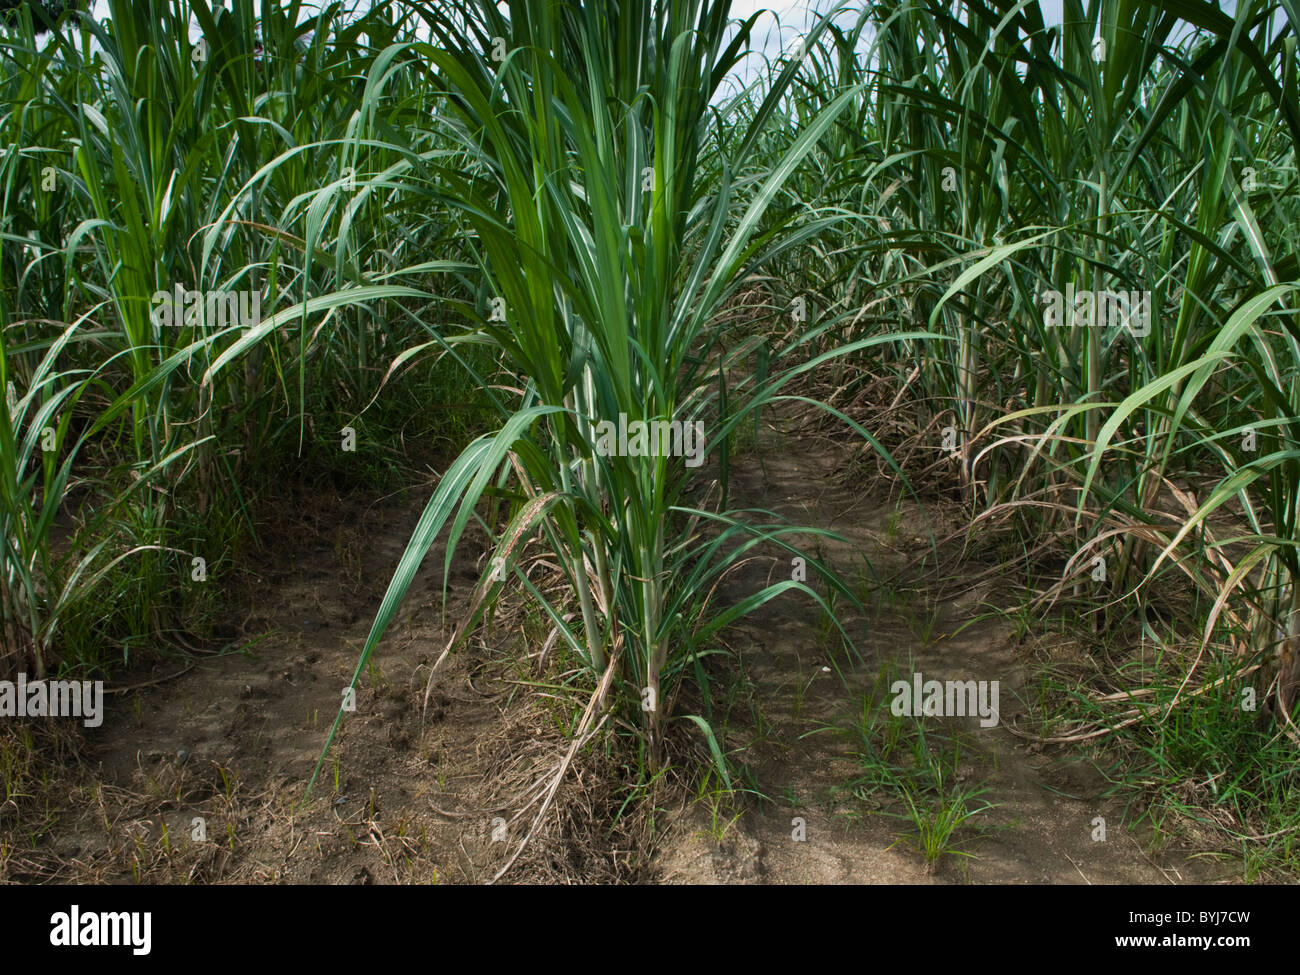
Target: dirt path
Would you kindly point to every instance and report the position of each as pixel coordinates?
(234, 740)
(1035, 833)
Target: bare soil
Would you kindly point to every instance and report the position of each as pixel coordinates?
(1034, 832)
(229, 742)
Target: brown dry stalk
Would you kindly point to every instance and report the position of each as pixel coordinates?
(583, 735)
(522, 520)
(1138, 715)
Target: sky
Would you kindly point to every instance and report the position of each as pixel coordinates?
(783, 24)
(771, 37)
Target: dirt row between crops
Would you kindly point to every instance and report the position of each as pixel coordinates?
(199, 777)
(810, 831)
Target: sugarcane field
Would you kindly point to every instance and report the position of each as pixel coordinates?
(649, 442)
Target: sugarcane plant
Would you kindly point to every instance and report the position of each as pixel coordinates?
(607, 251)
